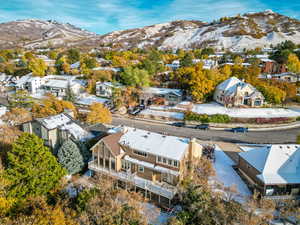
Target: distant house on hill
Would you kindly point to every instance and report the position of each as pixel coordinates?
(272, 170)
(234, 92)
(105, 89)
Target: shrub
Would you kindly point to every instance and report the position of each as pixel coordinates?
(204, 118)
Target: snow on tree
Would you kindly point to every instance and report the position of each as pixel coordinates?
(69, 157)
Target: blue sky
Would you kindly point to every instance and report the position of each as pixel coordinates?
(102, 16)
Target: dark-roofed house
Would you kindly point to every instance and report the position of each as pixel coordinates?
(272, 170)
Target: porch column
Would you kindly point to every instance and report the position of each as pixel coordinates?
(98, 159)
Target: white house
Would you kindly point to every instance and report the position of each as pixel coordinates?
(105, 89)
(29, 83)
(234, 92)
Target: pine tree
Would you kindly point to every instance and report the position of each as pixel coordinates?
(70, 158)
(32, 169)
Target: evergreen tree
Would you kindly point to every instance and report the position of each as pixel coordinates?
(187, 60)
(70, 158)
(32, 169)
(70, 95)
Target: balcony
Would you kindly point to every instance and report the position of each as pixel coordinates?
(162, 189)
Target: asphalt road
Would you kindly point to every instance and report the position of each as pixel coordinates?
(253, 137)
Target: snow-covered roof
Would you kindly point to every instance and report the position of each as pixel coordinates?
(57, 83)
(87, 99)
(107, 69)
(153, 143)
(75, 65)
(109, 84)
(230, 86)
(163, 91)
(65, 122)
(277, 164)
(23, 80)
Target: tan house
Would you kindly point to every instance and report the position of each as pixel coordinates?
(272, 170)
(144, 161)
(234, 93)
(170, 96)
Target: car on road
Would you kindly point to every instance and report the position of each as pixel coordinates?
(136, 110)
(203, 126)
(178, 124)
(239, 129)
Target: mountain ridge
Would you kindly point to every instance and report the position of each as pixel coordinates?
(250, 30)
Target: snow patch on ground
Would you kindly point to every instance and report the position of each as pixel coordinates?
(228, 176)
(171, 115)
(215, 108)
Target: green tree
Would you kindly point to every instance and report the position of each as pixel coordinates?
(73, 55)
(135, 77)
(69, 156)
(31, 168)
(21, 99)
(187, 60)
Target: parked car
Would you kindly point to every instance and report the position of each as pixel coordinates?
(178, 124)
(203, 126)
(239, 129)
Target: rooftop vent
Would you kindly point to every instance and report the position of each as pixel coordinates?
(145, 136)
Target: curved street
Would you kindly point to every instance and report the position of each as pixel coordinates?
(253, 137)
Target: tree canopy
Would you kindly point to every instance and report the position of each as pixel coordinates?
(31, 168)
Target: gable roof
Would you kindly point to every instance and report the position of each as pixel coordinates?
(112, 142)
(277, 164)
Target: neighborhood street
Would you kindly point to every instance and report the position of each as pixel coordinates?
(258, 137)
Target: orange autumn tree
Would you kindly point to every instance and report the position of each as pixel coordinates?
(98, 114)
(52, 106)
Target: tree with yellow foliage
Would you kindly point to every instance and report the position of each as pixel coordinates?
(98, 114)
(293, 63)
(38, 67)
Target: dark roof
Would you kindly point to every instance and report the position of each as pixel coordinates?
(112, 142)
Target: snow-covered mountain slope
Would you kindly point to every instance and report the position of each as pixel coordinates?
(250, 30)
(247, 31)
(39, 33)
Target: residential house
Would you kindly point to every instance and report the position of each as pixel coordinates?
(272, 170)
(48, 62)
(144, 161)
(54, 130)
(234, 92)
(272, 67)
(58, 85)
(288, 77)
(174, 65)
(29, 83)
(207, 63)
(105, 89)
(170, 96)
(6, 81)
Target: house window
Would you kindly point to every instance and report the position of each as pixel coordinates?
(141, 169)
(126, 165)
(113, 164)
(164, 160)
(144, 154)
(175, 163)
(158, 159)
(170, 162)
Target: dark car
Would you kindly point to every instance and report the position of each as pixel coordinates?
(178, 124)
(203, 126)
(239, 129)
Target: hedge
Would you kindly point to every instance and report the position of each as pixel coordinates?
(204, 118)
